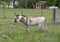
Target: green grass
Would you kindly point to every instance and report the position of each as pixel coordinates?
(11, 33)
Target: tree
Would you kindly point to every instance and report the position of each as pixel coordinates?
(58, 2)
(51, 2)
(26, 3)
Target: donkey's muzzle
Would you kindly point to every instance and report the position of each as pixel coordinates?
(14, 22)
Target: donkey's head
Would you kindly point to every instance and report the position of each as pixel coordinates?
(19, 18)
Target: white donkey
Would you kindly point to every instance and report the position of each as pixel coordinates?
(39, 21)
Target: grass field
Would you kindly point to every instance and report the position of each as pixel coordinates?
(11, 33)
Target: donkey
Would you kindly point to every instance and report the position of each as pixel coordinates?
(28, 21)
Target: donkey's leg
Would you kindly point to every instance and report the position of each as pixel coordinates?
(44, 26)
(39, 27)
(27, 29)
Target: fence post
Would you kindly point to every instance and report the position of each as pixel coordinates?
(54, 14)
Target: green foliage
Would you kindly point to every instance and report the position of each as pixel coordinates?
(51, 2)
(26, 3)
(30, 3)
(21, 3)
(5, 0)
(58, 4)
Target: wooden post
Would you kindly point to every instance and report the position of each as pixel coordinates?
(54, 16)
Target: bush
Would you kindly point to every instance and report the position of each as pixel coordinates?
(51, 2)
(26, 3)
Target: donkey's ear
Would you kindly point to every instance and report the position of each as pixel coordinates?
(16, 14)
(22, 13)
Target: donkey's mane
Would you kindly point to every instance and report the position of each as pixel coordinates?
(24, 15)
